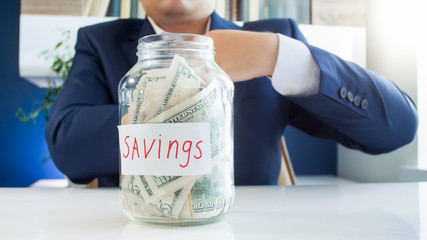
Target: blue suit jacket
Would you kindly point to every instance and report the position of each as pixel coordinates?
(354, 107)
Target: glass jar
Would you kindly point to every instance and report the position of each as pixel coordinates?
(176, 133)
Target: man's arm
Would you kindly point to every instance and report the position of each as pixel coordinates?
(381, 119)
(370, 110)
(81, 132)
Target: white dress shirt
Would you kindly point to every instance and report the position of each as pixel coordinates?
(296, 72)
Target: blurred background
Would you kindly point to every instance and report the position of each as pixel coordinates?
(385, 36)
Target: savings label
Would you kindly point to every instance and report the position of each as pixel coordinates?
(173, 149)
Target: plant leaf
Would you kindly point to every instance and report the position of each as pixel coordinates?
(58, 44)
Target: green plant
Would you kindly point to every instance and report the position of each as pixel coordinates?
(61, 56)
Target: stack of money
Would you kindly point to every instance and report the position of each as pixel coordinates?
(179, 95)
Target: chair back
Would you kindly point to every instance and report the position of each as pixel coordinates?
(287, 174)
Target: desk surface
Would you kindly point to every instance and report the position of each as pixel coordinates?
(356, 211)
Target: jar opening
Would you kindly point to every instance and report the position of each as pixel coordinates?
(167, 43)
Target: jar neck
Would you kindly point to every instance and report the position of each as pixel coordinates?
(166, 46)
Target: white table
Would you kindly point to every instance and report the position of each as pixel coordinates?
(354, 211)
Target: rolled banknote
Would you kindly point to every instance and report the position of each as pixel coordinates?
(160, 89)
(211, 195)
(141, 109)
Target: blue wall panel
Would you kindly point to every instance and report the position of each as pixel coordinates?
(22, 147)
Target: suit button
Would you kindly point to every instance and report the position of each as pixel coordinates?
(356, 100)
(343, 92)
(350, 96)
(364, 104)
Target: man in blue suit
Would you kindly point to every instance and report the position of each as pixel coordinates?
(279, 80)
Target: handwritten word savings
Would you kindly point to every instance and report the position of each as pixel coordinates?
(165, 149)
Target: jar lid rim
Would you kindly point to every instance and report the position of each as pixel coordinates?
(175, 37)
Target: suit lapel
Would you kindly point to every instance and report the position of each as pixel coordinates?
(218, 22)
(129, 46)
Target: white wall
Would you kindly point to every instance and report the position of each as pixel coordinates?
(422, 86)
(43, 32)
(391, 51)
(349, 43)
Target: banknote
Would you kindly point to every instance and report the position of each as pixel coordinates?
(211, 195)
(163, 88)
(132, 200)
(155, 187)
(149, 90)
(184, 83)
(169, 205)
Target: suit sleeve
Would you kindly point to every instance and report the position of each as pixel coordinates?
(81, 132)
(354, 106)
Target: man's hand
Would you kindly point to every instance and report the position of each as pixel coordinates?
(244, 55)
